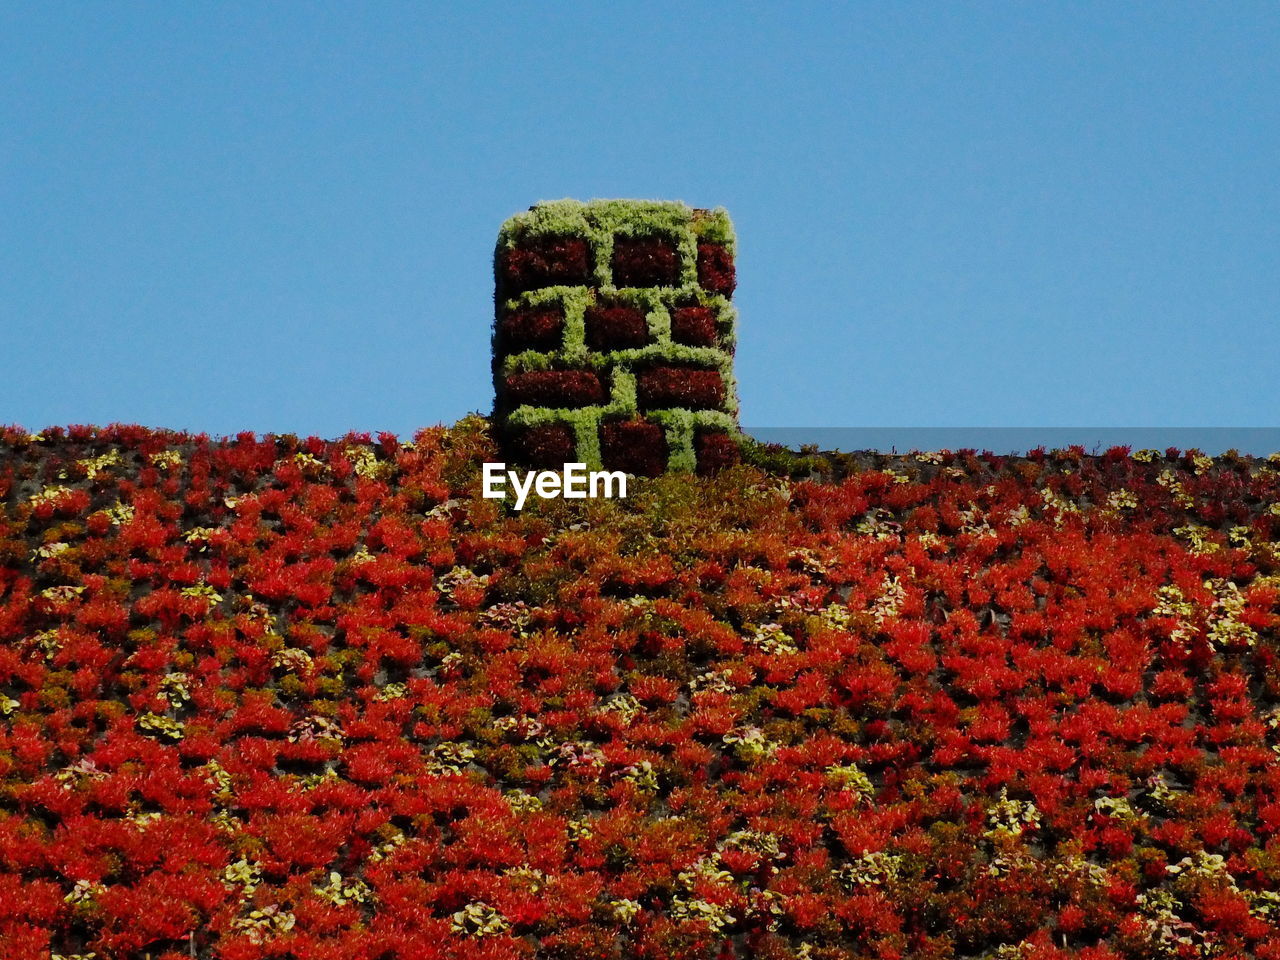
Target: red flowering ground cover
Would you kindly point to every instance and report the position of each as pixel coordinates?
(282, 698)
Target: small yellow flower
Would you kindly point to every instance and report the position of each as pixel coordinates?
(478, 919)
(850, 777)
(95, 465)
(340, 892)
(1199, 538)
(309, 463)
(49, 550)
(1122, 499)
(119, 513)
(393, 691)
(49, 494)
(200, 535)
(61, 594)
(521, 802)
(260, 924)
(624, 910)
(84, 891)
(749, 743)
(218, 774)
(366, 463)
(176, 687)
(166, 459)
(164, 726)
(869, 869)
(203, 591)
(450, 757)
(773, 640)
(715, 916)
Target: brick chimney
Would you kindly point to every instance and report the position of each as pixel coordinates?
(613, 337)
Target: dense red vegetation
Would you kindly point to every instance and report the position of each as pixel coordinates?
(555, 388)
(645, 262)
(686, 387)
(542, 262)
(531, 329)
(716, 451)
(615, 327)
(634, 446)
(285, 698)
(694, 326)
(715, 269)
(548, 446)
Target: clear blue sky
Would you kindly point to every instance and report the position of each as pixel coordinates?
(280, 217)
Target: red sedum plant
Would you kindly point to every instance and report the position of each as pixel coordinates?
(271, 697)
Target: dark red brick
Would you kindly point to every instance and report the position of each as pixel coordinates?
(715, 269)
(715, 451)
(633, 446)
(645, 262)
(545, 262)
(555, 388)
(687, 387)
(616, 327)
(532, 329)
(694, 326)
(549, 446)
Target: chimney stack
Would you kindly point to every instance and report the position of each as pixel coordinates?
(614, 335)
